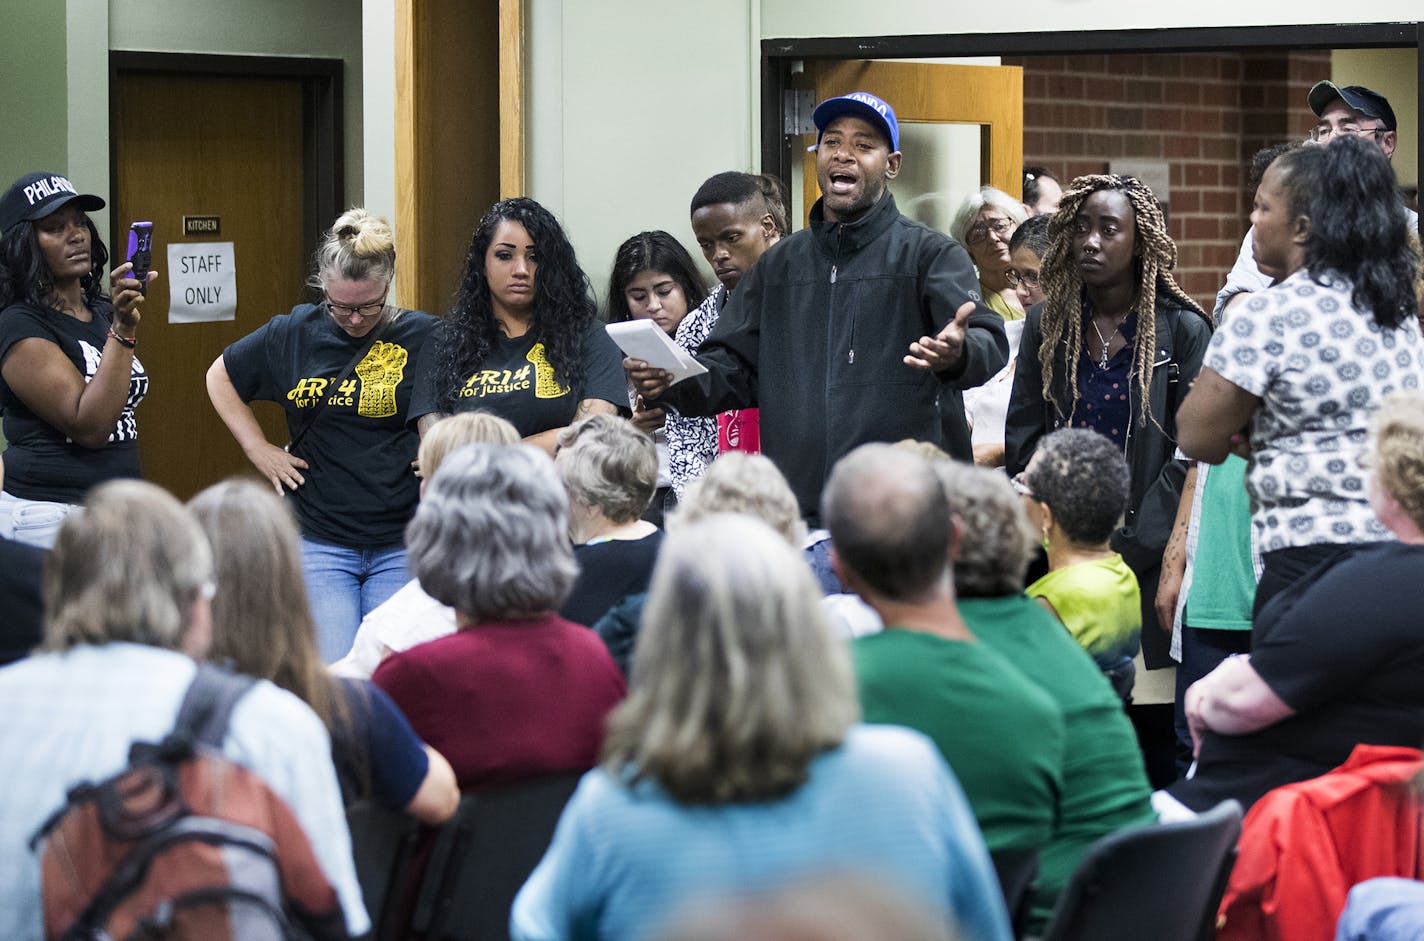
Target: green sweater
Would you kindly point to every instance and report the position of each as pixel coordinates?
(1104, 783)
(1002, 736)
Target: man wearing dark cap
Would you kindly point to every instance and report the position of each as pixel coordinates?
(848, 331)
(1340, 111)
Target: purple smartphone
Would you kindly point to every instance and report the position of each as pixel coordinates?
(141, 253)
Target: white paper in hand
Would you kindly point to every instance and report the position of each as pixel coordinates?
(645, 340)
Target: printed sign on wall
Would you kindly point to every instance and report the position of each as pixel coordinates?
(202, 282)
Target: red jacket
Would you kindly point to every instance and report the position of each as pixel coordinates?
(1305, 844)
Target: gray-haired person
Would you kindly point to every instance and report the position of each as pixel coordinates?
(516, 691)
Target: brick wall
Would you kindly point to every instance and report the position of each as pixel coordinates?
(1205, 114)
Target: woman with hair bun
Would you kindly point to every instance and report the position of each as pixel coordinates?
(343, 371)
(524, 339)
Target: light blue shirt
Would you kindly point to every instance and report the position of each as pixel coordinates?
(1384, 909)
(70, 717)
(884, 804)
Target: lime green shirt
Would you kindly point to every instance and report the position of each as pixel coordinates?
(995, 302)
(1100, 604)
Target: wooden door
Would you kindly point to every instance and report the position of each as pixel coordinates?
(212, 145)
(990, 97)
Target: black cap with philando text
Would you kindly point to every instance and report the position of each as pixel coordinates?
(36, 195)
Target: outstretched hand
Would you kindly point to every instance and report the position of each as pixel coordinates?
(944, 350)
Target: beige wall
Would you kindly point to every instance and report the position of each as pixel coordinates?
(68, 95)
(1393, 73)
(631, 105)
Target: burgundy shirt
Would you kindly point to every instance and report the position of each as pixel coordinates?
(508, 701)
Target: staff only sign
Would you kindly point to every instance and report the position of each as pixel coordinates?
(202, 282)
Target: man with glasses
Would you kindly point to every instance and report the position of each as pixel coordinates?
(1340, 111)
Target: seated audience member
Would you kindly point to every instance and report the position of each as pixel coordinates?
(1075, 490)
(611, 470)
(1383, 909)
(262, 626)
(820, 908)
(736, 763)
(1104, 784)
(736, 482)
(1305, 844)
(410, 616)
(517, 691)
(21, 572)
(127, 597)
(1002, 735)
(1335, 661)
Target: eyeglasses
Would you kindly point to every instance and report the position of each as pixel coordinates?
(1324, 132)
(1021, 487)
(980, 231)
(1026, 278)
(363, 311)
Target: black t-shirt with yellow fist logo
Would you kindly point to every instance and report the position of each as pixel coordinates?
(517, 382)
(359, 491)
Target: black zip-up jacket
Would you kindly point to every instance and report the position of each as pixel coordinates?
(815, 335)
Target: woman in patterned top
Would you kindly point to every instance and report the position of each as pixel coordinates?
(1291, 382)
(654, 278)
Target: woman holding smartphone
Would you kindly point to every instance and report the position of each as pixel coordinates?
(69, 378)
(342, 370)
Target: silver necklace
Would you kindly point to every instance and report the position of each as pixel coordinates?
(1106, 340)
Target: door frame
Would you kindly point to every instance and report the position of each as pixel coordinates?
(323, 147)
(780, 58)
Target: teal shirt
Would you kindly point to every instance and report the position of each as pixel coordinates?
(1223, 587)
(1001, 734)
(1104, 783)
(1100, 604)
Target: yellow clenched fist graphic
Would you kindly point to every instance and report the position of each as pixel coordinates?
(545, 385)
(380, 371)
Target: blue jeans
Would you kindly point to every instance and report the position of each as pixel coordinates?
(33, 522)
(344, 585)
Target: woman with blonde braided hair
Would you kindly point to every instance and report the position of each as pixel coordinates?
(1090, 359)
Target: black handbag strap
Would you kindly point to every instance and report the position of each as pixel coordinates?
(341, 377)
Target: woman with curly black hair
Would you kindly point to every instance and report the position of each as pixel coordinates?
(69, 379)
(523, 340)
(1291, 381)
(1113, 348)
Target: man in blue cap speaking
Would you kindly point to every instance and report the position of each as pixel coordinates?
(861, 328)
